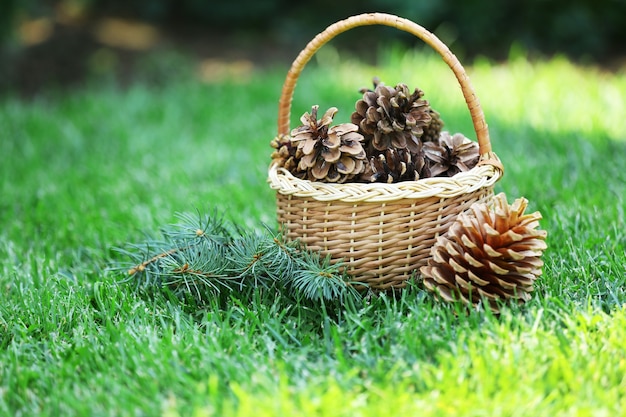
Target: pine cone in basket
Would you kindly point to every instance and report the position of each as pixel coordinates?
(491, 252)
(286, 154)
(329, 154)
(450, 155)
(392, 117)
(392, 166)
(433, 130)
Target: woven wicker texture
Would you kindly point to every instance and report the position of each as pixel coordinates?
(382, 232)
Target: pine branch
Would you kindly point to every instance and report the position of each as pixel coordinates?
(202, 256)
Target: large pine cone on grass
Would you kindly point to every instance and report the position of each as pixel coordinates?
(491, 252)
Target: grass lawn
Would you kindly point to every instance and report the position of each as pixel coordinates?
(85, 171)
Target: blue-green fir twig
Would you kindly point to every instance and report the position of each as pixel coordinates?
(203, 256)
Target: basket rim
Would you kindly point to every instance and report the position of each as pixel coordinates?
(484, 174)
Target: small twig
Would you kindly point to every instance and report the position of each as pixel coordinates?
(283, 247)
(197, 272)
(255, 258)
(142, 266)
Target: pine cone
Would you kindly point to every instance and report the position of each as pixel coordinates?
(391, 117)
(433, 130)
(329, 154)
(450, 155)
(492, 253)
(286, 154)
(392, 166)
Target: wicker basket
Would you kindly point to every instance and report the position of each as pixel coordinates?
(382, 232)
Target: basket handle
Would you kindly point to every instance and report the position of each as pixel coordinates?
(367, 19)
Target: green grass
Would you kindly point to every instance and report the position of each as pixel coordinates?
(86, 171)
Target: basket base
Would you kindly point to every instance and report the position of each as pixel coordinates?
(381, 244)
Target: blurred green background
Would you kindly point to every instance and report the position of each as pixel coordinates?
(60, 42)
